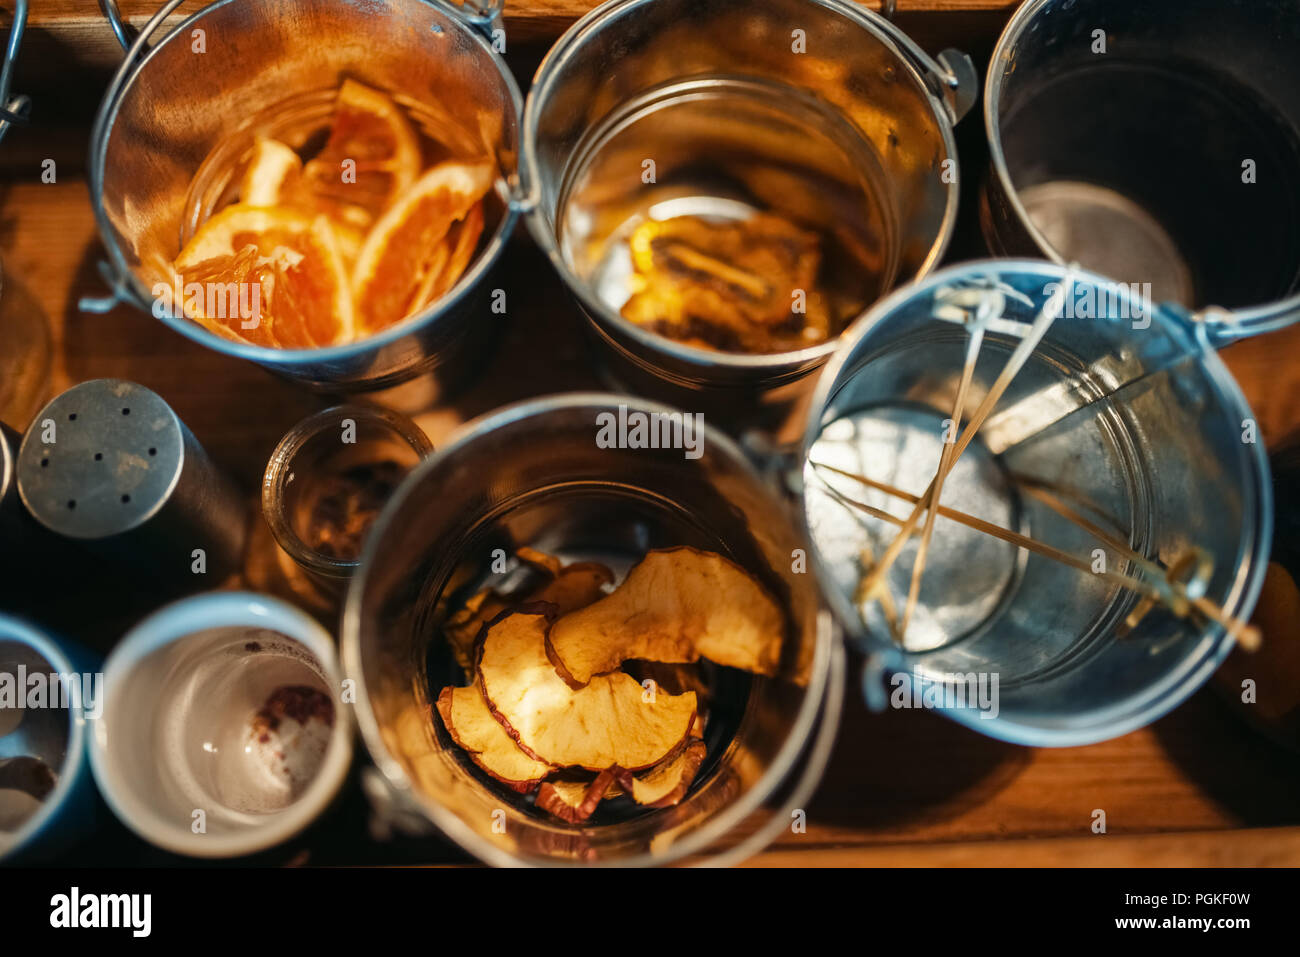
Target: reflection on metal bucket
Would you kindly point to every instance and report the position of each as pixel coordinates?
(167, 110)
(1153, 143)
(533, 474)
(820, 115)
(1112, 462)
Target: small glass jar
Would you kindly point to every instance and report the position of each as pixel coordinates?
(329, 478)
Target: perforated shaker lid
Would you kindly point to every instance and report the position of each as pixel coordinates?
(100, 459)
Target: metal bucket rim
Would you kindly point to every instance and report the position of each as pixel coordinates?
(724, 821)
(75, 761)
(1258, 318)
(105, 121)
(880, 28)
(1254, 546)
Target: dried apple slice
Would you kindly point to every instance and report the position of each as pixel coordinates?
(574, 801)
(571, 587)
(542, 561)
(678, 605)
(609, 722)
(667, 782)
(471, 725)
(463, 628)
(576, 586)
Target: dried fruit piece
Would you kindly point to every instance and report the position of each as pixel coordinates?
(728, 285)
(677, 605)
(542, 561)
(667, 782)
(576, 586)
(572, 800)
(274, 177)
(273, 172)
(372, 155)
(471, 725)
(571, 587)
(609, 722)
(463, 628)
(289, 283)
(405, 245)
(453, 256)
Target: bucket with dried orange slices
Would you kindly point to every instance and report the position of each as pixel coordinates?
(329, 209)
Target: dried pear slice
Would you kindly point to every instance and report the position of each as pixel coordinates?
(471, 725)
(667, 782)
(678, 605)
(609, 722)
(574, 801)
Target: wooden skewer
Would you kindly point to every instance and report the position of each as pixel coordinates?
(1038, 491)
(1019, 356)
(886, 600)
(945, 462)
(1245, 634)
(1014, 538)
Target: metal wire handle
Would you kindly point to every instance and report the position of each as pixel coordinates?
(13, 109)
(951, 75)
(482, 15)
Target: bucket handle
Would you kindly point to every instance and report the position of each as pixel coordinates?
(1219, 327)
(482, 15)
(13, 109)
(810, 776)
(950, 75)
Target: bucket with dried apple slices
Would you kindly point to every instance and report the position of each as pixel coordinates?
(573, 648)
(320, 187)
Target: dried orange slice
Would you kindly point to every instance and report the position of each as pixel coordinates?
(371, 156)
(270, 276)
(274, 177)
(406, 258)
(274, 172)
(453, 256)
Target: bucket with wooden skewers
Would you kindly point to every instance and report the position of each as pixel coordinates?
(1039, 501)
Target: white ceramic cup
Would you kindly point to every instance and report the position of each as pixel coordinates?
(223, 729)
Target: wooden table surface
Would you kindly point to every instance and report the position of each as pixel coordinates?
(1197, 787)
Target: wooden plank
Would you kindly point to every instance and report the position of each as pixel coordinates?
(1264, 847)
(79, 30)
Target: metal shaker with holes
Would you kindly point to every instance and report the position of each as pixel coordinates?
(111, 466)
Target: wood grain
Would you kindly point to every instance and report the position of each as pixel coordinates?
(1263, 847)
(78, 25)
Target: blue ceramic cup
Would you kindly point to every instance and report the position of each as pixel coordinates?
(49, 690)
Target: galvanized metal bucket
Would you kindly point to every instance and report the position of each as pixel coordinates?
(860, 111)
(534, 474)
(168, 106)
(1154, 142)
(1123, 412)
